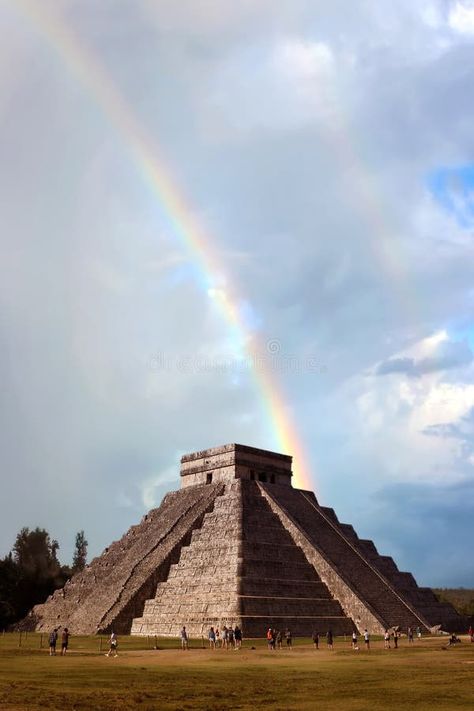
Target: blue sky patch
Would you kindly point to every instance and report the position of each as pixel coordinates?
(453, 189)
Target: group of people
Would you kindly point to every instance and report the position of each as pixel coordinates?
(227, 638)
(390, 635)
(53, 640)
(315, 636)
(411, 633)
(275, 638)
(393, 636)
(65, 634)
(231, 638)
(329, 639)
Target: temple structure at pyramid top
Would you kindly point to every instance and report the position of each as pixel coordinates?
(235, 461)
(237, 544)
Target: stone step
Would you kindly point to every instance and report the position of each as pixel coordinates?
(253, 626)
(284, 588)
(294, 607)
(277, 569)
(205, 587)
(249, 551)
(266, 534)
(256, 602)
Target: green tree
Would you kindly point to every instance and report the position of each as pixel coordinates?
(38, 571)
(80, 553)
(9, 580)
(36, 554)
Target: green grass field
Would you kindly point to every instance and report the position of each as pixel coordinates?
(423, 675)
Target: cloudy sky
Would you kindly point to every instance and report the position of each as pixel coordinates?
(322, 155)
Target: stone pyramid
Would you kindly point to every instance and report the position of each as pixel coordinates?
(237, 544)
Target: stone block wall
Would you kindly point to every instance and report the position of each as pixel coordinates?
(235, 461)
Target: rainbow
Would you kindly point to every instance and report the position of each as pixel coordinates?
(144, 152)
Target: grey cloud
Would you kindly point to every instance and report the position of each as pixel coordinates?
(429, 528)
(461, 429)
(449, 355)
(463, 432)
(396, 365)
(447, 430)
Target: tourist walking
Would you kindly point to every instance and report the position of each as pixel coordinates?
(230, 636)
(184, 638)
(218, 638)
(396, 635)
(410, 635)
(289, 640)
(53, 638)
(355, 644)
(418, 632)
(315, 638)
(225, 637)
(386, 640)
(279, 639)
(367, 640)
(64, 641)
(270, 639)
(212, 638)
(329, 639)
(238, 637)
(113, 644)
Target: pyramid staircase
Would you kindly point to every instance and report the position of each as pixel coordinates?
(242, 567)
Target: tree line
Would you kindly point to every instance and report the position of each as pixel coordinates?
(462, 599)
(32, 571)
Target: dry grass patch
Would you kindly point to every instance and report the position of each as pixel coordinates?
(423, 674)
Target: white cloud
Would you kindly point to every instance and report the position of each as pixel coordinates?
(303, 60)
(283, 84)
(461, 17)
(430, 398)
(441, 402)
(432, 15)
(396, 411)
